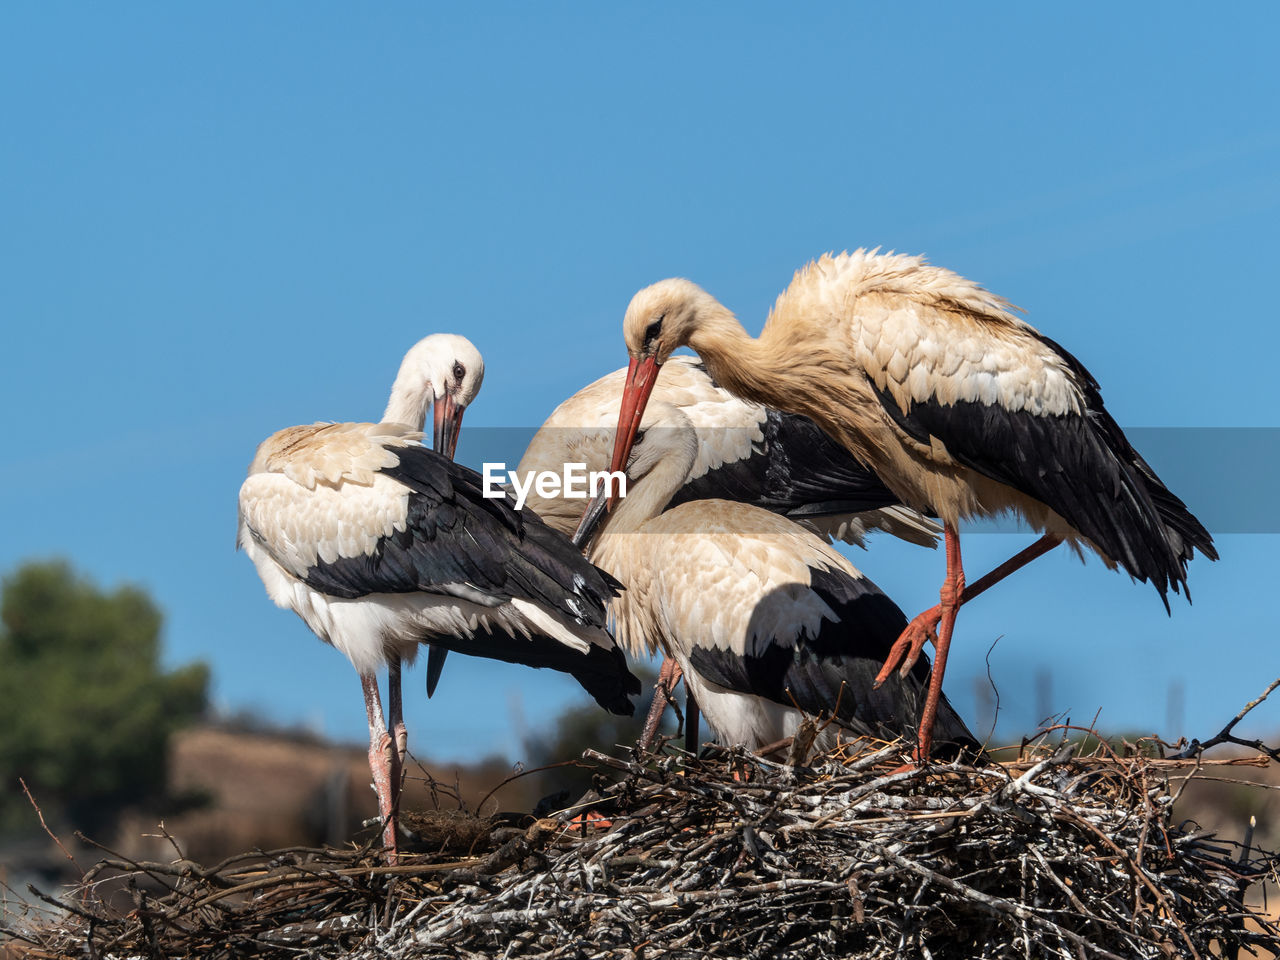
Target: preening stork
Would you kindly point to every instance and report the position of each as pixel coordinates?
(380, 544)
(766, 621)
(746, 452)
(957, 405)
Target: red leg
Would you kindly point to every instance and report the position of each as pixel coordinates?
(668, 676)
(906, 650)
(381, 750)
(396, 728)
(952, 596)
(395, 709)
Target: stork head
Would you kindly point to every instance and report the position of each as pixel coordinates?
(660, 318)
(664, 316)
(444, 370)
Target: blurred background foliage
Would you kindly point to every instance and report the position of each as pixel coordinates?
(86, 708)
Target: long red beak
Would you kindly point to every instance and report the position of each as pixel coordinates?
(641, 376)
(446, 426)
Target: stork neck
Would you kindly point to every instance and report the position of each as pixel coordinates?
(746, 366)
(649, 495)
(410, 399)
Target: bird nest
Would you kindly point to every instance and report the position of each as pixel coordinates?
(1054, 855)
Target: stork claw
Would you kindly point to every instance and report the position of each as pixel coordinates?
(952, 593)
(907, 648)
(387, 751)
(917, 759)
(402, 742)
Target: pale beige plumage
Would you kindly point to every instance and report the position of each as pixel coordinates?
(316, 492)
(731, 555)
(331, 452)
(692, 575)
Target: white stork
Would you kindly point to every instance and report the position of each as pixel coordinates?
(766, 621)
(960, 407)
(746, 452)
(379, 544)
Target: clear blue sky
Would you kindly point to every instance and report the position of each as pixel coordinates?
(223, 219)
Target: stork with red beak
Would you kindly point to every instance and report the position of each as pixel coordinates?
(381, 545)
(959, 406)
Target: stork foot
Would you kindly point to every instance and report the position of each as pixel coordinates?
(668, 676)
(919, 756)
(590, 818)
(907, 648)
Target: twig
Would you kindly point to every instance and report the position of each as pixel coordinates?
(52, 837)
(1225, 736)
(998, 904)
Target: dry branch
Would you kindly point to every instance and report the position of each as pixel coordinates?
(1196, 747)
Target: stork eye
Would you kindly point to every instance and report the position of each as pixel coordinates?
(639, 438)
(459, 371)
(654, 330)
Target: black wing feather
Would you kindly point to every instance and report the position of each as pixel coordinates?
(602, 673)
(1080, 465)
(457, 542)
(436, 657)
(834, 671)
(795, 469)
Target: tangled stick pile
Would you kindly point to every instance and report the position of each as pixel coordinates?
(1052, 856)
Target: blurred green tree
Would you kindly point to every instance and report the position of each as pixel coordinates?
(85, 709)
